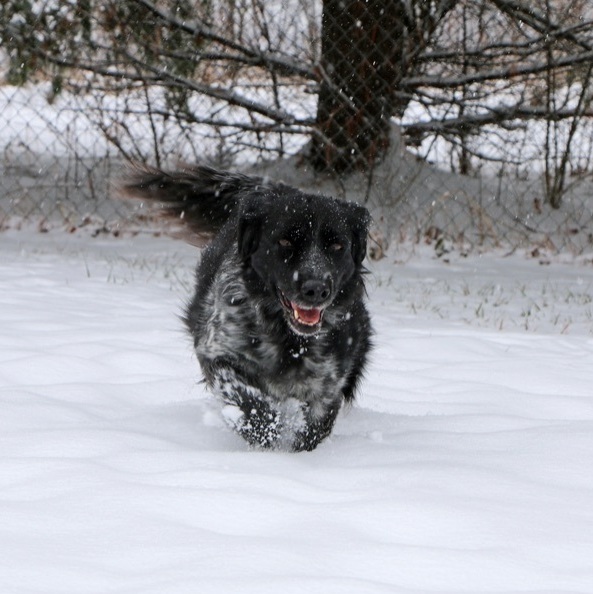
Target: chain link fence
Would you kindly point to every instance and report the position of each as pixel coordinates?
(56, 171)
(462, 124)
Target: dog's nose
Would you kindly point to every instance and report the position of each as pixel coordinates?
(315, 291)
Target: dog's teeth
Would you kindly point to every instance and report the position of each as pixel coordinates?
(308, 317)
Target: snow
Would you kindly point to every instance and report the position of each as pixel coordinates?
(465, 466)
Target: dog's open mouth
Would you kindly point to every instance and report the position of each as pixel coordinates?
(304, 319)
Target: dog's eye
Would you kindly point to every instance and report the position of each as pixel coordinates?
(286, 243)
(336, 247)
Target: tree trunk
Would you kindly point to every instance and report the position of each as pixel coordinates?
(363, 59)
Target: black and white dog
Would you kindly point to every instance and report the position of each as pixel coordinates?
(278, 317)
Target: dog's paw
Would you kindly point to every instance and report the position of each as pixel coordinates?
(259, 426)
(285, 427)
(288, 425)
(314, 430)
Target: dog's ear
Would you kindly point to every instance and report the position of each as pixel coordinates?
(251, 219)
(360, 219)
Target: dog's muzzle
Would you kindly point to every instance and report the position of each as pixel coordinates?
(303, 318)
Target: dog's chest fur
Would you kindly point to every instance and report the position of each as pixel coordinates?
(230, 324)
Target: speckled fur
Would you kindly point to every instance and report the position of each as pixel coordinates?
(280, 388)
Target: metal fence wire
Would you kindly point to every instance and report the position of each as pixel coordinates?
(461, 123)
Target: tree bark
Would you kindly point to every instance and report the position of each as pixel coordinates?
(363, 59)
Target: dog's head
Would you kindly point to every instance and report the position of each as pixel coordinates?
(303, 249)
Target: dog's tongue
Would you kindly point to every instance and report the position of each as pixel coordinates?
(306, 316)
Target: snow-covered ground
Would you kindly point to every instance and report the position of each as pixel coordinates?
(466, 466)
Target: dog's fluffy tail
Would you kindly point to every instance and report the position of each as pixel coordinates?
(201, 198)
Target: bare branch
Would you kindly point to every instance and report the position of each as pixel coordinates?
(166, 78)
(271, 61)
(505, 73)
(538, 22)
(498, 115)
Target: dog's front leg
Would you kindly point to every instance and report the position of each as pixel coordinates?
(262, 420)
(247, 410)
(315, 430)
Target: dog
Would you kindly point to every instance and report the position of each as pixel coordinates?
(278, 317)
